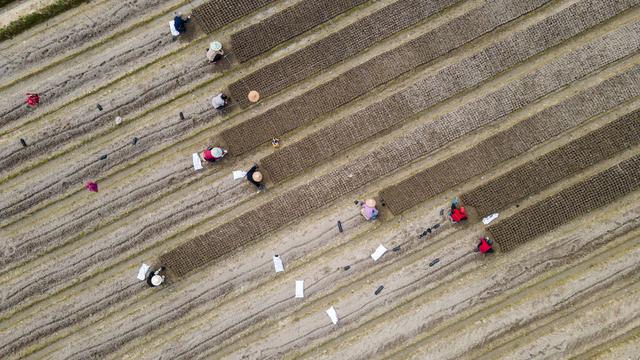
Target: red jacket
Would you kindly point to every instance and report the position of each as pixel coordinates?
(458, 215)
(484, 246)
(209, 156)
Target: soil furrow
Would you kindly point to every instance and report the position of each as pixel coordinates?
(147, 231)
(215, 14)
(581, 198)
(353, 315)
(78, 28)
(391, 111)
(295, 20)
(302, 200)
(447, 304)
(507, 144)
(573, 157)
(377, 71)
(314, 58)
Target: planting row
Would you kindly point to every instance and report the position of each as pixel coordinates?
(302, 200)
(329, 141)
(293, 21)
(511, 142)
(217, 13)
(338, 46)
(379, 70)
(569, 159)
(568, 204)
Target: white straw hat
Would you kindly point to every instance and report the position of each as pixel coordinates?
(157, 280)
(216, 152)
(370, 203)
(215, 46)
(257, 176)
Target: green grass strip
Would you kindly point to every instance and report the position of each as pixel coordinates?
(28, 21)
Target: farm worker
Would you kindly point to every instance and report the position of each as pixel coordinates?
(368, 209)
(457, 212)
(214, 53)
(255, 177)
(91, 186)
(154, 278)
(485, 245)
(33, 99)
(213, 154)
(180, 24)
(219, 101)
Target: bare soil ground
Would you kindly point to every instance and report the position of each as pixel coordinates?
(466, 98)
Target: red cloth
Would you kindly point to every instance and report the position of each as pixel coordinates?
(484, 246)
(33, 100)
(208, 155)
(458, 215)
(91, 186)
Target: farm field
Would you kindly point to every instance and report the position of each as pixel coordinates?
(528, 109)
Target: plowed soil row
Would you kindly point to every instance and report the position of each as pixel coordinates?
(409, 287)
(338, 46)
(60, 132)
(69, 33)
(304, 199)
(150, 230)
(511, 142)
(567, 205)
(293, 21)
(532, 301)
(565, 161)
(379, 70)
(478, 67)
(217, 13)
(101, 296)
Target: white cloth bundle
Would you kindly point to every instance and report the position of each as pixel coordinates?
(487, 220)
(172, 27)
(378, 253)
(239, 174)
(197, 163)
(299, 288)
(142, 272)
(333, 315)
(277, 264)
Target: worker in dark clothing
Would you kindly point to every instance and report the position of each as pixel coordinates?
(180, 24)
(154, 278)
(485, 246)
(255, 177)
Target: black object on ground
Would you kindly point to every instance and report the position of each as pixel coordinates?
(23, 142)
(103, 157)
(340, 226)
(441, 212)
(135, 140)
(434, 261)
(181, 116)
(436, 226)
(347, 267)
(396, 249)
(99, 107)
(379, 290)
